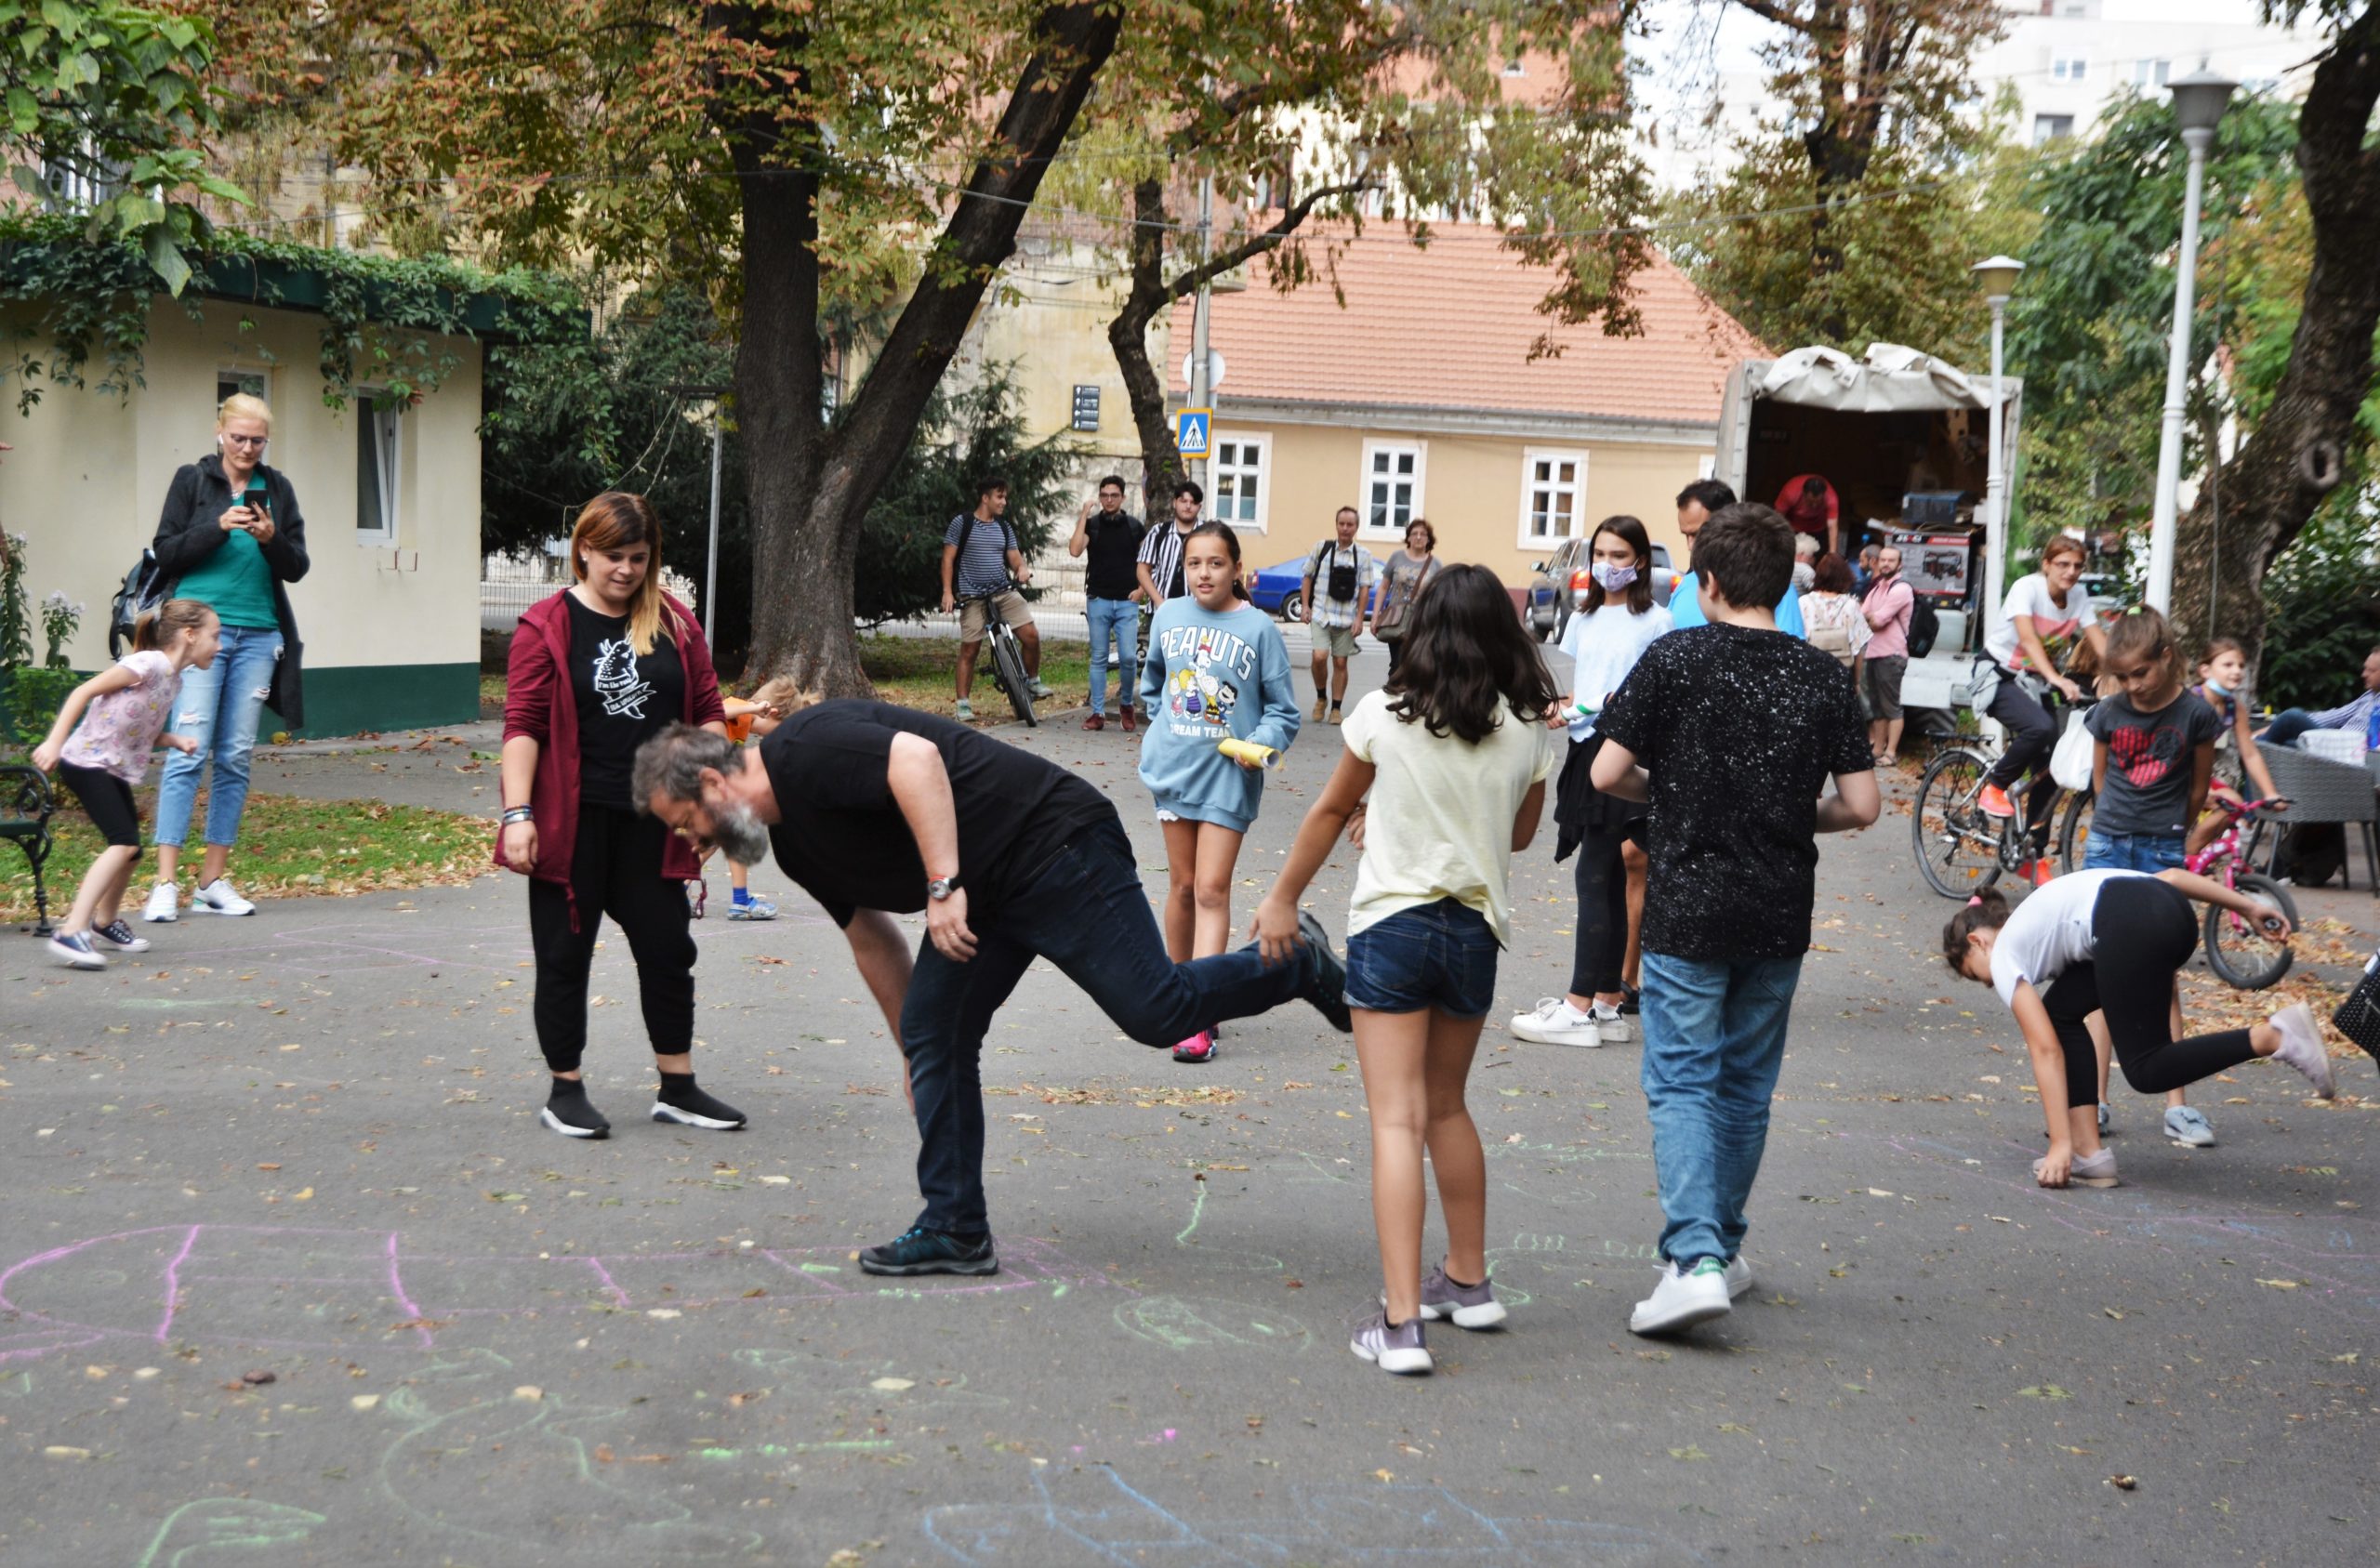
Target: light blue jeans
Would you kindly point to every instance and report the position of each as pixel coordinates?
(1118, 619)
(1715, 1036)
(220, 708)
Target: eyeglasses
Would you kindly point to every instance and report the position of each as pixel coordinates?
(245, 440)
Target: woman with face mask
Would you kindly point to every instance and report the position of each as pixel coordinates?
(1611, 631)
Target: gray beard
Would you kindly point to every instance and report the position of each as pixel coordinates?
(740, 834)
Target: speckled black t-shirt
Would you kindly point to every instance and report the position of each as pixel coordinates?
(1740, 731)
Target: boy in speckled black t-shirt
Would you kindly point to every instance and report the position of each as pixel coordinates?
(1731, 730)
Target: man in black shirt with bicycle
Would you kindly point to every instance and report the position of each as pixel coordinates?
(979, 558)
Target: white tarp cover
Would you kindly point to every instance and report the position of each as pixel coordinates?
(1887, 379)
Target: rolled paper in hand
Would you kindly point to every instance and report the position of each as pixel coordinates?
(1248, 751)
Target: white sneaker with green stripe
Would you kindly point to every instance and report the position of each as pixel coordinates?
(1682, 1297)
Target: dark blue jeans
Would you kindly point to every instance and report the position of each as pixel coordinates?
(2287, 725)
(1085, 911)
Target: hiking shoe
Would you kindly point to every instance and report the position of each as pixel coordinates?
(164, 903)
(2088, 1170)
(690, 1107)
(1554, 1023)
(1609, 1023)
(2187, 1125)
(1038, 690)
(118, 934)
(1738, 1276)
(751, 909)
(1097, 721)
(1392, 1347)
(920, 1251)
(1319, 704)
(1994, 801)
(74, 949)
(1471, 1306)
(1334, 713)
(1198, 1047)
(2301, 1047)
(1681, 1299)
(219, 897)
(569, 1112)
(1328, 985)
(965, 711)
(1128, 719)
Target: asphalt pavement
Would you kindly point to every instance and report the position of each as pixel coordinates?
(289, 1273)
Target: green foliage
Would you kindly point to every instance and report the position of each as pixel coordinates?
(16, 615)
(59, 617)
(35, 693)
(2322, 600)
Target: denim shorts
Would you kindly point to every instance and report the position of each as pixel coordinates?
(1438, 955)
(2151, 852)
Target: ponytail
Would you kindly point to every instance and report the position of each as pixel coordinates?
(1988, 911)
(157, 629)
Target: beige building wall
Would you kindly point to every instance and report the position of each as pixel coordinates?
(390, 629)
(1048, 323)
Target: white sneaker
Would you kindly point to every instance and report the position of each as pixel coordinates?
(2301, 1047)
(1555, 1023)
(1683, 1299)
(164, 903)
(219, 897)
(74, 949)
(1609, 1023)
(1738, 1276)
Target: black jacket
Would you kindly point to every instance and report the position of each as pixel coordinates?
(190, 529)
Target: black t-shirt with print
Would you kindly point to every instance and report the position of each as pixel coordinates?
(622, 700)
(1114, 553)
(1740, 731)
(2151, 761)
(842, 835)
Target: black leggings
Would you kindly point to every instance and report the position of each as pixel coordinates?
(2142, 933)
(1601, 947)
(2031, 735)
(615, 870)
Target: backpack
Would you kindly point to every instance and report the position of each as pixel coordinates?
(1924, 626)
(143, 591)
(1007, 539)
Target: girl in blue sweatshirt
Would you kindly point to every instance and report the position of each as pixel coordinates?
(1216, 670)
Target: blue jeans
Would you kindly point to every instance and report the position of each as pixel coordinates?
(1118, 619)
(1439, 956)
(1714, 1035)
(2286, 726)
(1086, 911)
(2151, 852)
(218, 707)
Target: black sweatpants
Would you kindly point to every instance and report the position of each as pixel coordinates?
(2032, 735)
(1600, 950)
(615, 870)
(2142, 933)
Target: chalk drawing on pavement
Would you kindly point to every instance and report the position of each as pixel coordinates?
(221, 1531)
(1184, 1323)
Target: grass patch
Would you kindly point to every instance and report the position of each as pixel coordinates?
(917, 672)
(490, 696)
(288, 848)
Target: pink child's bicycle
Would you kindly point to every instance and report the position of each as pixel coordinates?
(2236, 949)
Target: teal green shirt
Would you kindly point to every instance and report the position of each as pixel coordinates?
(236, 582)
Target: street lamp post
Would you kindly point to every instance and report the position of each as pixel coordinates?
(2199, 99)
(1998, 277)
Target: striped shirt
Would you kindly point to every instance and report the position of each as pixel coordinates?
(1161, 553)
(983, 553)
(1326, 611)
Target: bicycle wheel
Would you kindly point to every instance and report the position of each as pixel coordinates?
(1008, 669)
(1955, 843)
(2074, 831)
(2243, 956)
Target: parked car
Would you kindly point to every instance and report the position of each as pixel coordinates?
(1274, 589)
(1559, 587)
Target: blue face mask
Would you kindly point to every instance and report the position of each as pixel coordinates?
(1611, 577)
(2218, 687)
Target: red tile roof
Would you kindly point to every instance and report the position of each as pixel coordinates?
(1450, 325)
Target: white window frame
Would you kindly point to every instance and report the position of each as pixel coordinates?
(1261, 444)
(1530, 457)
(386, 427)
(2073, 70)
(1418, 506)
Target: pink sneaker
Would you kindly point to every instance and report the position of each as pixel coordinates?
(1198, 1047)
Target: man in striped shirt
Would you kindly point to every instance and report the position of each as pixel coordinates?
(2361, 716)
(1160, 560)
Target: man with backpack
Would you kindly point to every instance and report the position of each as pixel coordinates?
(1889, 606)
(1335, 619)
(979, 557)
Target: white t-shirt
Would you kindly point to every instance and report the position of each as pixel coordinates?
(1439, 823)
(1605, 646)
(2048, 933)
(2058, 624)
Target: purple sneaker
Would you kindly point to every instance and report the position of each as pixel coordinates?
(1393, 1347)
(1471, 1306)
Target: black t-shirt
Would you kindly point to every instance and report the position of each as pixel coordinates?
(842, 835)
(622, 700)
(2151, 763)
(1114, 553)
(1740, 731)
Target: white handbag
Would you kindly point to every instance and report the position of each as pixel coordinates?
(2071, 763)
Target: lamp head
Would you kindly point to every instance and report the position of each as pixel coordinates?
(1998, 277)
(2199, 99)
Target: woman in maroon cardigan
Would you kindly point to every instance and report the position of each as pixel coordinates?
(596, 670)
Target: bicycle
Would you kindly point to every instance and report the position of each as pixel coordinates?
(1007, 655)
(2237, 949)
(1949, 821)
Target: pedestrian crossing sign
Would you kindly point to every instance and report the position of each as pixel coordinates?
(1190, 428)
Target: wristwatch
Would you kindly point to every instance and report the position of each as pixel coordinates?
(941, 888)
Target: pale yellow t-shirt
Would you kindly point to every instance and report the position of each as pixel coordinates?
(1440, 822)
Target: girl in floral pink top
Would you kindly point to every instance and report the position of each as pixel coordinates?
(120, 713)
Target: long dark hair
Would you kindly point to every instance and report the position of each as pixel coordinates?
(1213, 529)
(1630, 533)
(1465, 655)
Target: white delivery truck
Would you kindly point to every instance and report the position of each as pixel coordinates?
(1901, 439)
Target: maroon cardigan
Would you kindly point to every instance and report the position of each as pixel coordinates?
(538, 702)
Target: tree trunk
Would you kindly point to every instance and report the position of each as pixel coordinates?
(810, 487)
(1128, 335)
(2297, 457)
